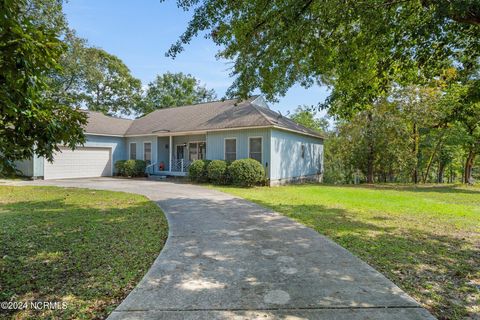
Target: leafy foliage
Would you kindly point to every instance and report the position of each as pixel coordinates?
(306, 116)
(30, 48)
(120, 167)
(131, 168)
(420, 134)
(95, 79)
(173, 90)
(197, 171)
(217, 171)
(246, 172)
(360, 48)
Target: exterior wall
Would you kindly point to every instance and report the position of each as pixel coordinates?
(216, 144)
(25, 166)
(31, 167)
(287, 162)
(38, 164)
(139, 141)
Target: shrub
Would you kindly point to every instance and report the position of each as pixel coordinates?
(246, 172)
(198, 170)
(134, 168)
(120, 167)
(217, 171)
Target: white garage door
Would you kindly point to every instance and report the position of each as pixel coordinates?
(82, 163)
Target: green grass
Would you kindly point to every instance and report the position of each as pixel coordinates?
(84, 247)
(425, 239)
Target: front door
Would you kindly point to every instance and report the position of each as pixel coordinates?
(180, 151)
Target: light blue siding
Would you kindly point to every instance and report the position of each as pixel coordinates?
(25, 166)
(140, 146)
(38, 164)
(287, 160)
(216, 144)
(31, 167)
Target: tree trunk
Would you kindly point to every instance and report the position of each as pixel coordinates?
(434, 152)
(469, 166)
(441, 171)
(415, 153)
(371, 150)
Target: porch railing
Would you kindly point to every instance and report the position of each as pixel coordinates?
(180, 165)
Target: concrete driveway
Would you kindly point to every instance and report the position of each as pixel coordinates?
(227, 258)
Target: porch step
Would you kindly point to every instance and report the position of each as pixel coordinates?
(157, 177)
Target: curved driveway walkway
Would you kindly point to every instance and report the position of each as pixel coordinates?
(227, 258)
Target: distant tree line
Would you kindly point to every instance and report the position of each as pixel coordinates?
(94, 79)
(428, 134)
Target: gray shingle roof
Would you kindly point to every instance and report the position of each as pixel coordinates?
(210, 116)
(99, 123)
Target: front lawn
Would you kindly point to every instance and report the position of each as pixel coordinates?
(425, 239)
(84, 247)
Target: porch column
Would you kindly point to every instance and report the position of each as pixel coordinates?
(170, 148)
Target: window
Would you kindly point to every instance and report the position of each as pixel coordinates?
(133, 151)
(147, 152)
(231, 149)
(196, 150)
(303, 151)
(255, 148)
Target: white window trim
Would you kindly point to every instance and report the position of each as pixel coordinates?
(151, 151)
(225, 147)
(130, 149)
(261, 147)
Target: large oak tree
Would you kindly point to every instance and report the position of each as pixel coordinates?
(358, 47)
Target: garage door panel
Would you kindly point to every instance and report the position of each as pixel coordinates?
(82, 163)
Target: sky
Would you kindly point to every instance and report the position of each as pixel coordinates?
(140, 32)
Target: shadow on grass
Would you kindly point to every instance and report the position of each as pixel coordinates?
(436, 269)
(88, 256)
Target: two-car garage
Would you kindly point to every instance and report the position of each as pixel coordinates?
(84, 162)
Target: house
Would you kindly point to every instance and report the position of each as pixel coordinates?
(170, 139)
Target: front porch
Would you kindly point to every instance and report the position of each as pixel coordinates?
(174, 154)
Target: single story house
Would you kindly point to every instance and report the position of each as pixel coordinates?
(170, 139)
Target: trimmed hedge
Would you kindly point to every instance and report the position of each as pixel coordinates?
(246, 172)
(242, 172)
(120, 167)
(130, 168)
(198, 170)
(217, 171)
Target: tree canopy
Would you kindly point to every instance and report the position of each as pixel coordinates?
(95, 79)
(173, 90)
(29, 50)
(358, 47)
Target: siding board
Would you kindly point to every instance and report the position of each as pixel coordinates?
(287, 161)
